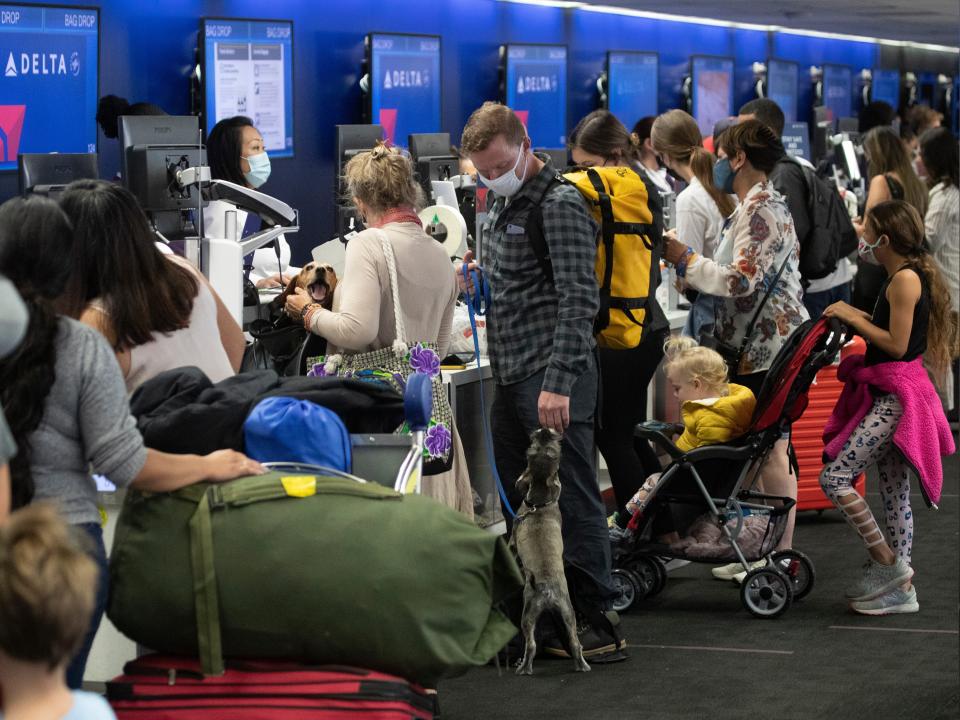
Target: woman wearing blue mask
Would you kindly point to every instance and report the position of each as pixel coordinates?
(754, 273)
(236, 153)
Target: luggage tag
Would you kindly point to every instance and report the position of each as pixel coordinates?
(299, 486)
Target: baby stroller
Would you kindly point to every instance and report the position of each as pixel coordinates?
(710, 492)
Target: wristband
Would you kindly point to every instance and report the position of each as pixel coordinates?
(682, 262)
(307, 308)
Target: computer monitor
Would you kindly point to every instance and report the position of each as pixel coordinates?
(49, 173)
(782, 86)
(954, 102)
(433, 158)
(153, 148)
(559, 157)
(351, 141)
(712, 90)
(632, 85)
(49, 55)
(247, 69)
(849, 125)
(837, 95)
(404, 84)
(534, 86)
(885, 87)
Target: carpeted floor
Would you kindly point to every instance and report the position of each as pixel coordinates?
(697, 653)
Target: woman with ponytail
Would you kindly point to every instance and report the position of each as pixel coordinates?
(888, 414)
(701, 207)
(66, 403)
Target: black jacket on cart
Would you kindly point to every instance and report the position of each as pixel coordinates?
(181, 411)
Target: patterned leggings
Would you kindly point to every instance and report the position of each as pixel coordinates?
(871, 443)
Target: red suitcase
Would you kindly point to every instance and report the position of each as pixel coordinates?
(163, 687)
(807, 434)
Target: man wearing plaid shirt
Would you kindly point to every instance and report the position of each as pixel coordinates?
(542, 349)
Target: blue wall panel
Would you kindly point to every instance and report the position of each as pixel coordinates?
(147, 50)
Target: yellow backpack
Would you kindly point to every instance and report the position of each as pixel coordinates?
(628, 251)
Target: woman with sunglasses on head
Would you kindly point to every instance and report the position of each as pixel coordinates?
(755, 275)
(601, 140)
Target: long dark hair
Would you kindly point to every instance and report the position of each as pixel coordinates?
(757, 141)
(938, 149)
(888, 155)
(225, 147)
(601, 133)
(35, 247)
(903, 225)
(115, 259)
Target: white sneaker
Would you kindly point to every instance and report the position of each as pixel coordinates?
(726, 572)
(894, 602)
(738, 577)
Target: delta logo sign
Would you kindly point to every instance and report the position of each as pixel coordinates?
(537, 84)
(11, 128)
(31, 64)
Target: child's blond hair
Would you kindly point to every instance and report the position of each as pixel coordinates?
(47, 586)
(695, 362)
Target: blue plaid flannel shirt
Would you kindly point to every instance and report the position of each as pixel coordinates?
(535, 324)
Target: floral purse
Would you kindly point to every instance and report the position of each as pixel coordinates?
(392, 366)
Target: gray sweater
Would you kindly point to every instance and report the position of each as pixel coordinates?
(86, 428)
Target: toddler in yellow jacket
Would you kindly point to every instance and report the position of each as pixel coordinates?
(714, 410)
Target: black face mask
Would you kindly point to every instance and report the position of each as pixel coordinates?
(672, 174)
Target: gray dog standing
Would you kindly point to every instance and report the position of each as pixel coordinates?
(538, 541)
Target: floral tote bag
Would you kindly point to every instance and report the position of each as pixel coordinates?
(392, 366)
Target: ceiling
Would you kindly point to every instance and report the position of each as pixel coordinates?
(925, 21)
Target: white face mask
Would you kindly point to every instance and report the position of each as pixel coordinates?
(866, 251)
(509, 183)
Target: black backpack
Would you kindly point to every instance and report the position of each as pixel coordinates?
(831, 235)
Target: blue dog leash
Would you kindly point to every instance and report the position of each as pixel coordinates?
(479, 303)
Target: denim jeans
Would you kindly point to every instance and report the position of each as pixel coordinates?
(817, 302)
(586, 541)
(98, 554)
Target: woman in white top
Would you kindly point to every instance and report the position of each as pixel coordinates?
(938, 150)
(156, 311)
(385, 192)
(236, 152)
(701, 206)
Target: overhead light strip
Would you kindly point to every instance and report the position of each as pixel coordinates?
(714, 22)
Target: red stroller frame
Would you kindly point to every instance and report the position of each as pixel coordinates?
(727, 494)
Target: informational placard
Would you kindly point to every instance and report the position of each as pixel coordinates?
(404, 84)
(632, 85)
(885, 87)
(48, 89)
(248, 70)
(712, 91)
(536, 90)
(796, 140)
(782, 78)
(838, 91)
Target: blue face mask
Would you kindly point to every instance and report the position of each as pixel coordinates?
(259, 169)
(723, 175)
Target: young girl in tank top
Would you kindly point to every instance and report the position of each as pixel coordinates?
(888, 414)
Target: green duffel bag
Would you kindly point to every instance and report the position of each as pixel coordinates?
(311, 569)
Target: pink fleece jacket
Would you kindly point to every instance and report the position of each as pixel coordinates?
(922, 435)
